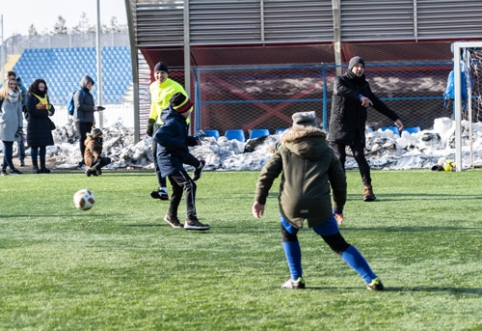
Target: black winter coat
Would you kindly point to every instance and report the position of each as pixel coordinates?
(173, 142)
(348, 117)
(39, 133)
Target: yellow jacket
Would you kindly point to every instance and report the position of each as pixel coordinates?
(160, 94)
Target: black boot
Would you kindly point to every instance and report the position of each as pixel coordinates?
(35, 168)
(43, 169)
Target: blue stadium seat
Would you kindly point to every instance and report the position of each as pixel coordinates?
(394, 129)
(413, 129)
(256, 133)
(280, 130)
(212, 133)
(235, 134)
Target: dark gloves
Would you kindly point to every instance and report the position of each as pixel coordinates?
(100, 108)
(19, 133)
(150, 127)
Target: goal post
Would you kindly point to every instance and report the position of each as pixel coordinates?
(458, 107)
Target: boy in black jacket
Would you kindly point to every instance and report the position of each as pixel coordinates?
(173, 141)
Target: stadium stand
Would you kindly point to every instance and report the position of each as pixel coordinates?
(63, 68)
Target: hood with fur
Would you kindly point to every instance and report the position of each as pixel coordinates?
(308, 143)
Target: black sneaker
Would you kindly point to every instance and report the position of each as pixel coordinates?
(195, 225)
(81, 165)
(22, 164)
(91, 171)
(4, 172)
(44, 170)
(173, 221)
(198, 171)
(160, 194)
(375, 285)
(294, 285)
(15, 172)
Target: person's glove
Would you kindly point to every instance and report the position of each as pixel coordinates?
(150, 127)
(19, 132)
(100, 108)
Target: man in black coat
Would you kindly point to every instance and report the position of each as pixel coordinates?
(351, 98)
(173, 141)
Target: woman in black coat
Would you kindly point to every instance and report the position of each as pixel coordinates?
(39, 130)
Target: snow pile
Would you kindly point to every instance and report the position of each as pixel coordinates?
(385, 150)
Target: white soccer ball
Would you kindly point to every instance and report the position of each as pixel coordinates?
(84, 199)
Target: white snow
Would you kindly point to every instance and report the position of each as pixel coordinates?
(385, 150)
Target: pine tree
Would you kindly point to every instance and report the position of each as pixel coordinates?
(59, 27)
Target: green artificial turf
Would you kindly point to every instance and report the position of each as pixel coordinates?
(120, 267)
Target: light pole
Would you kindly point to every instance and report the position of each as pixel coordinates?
(99, 67)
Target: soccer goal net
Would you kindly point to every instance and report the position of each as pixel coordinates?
(467, 97)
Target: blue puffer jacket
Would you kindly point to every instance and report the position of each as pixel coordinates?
(173, 142)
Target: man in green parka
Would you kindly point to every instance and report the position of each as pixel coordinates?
(309, 167)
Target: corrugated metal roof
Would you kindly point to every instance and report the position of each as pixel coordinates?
(242, 22)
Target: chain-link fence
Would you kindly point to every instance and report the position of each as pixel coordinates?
(265, 97)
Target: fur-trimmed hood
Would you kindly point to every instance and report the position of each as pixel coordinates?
(308, 143)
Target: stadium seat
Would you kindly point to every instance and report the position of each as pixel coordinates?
(235, 134)
(394, 129)
(280, 130)
(256, 133)
(413, 129)
(212, 133)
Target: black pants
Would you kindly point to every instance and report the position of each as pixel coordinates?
(101, 162)
(358, 151)
(82, 129)
(181, 181)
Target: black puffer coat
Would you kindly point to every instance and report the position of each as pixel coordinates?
(39, 133)
(348, 116)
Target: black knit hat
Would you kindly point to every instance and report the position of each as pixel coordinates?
(181, 103)
(161, 66)
(354, 61)
(95, 132)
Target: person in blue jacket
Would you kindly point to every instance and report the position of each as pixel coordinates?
(172, 149)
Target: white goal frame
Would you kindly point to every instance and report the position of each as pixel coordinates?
(458, 102)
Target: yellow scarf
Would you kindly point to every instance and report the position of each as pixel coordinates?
(44, 102)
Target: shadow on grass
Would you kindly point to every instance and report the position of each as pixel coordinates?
(453, 290)
(410, 229)
(90, 214)
(416, 196)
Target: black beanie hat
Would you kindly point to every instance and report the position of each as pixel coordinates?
(354, 61)
(181, 103)
(95, 132)
(161, 66)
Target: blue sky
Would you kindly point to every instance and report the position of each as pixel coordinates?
(18, 15)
